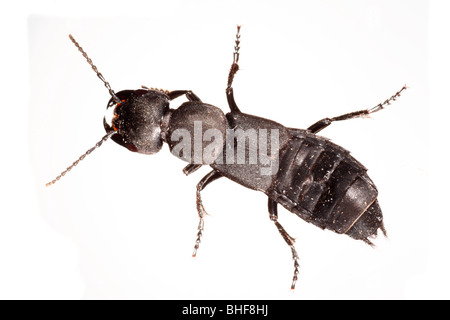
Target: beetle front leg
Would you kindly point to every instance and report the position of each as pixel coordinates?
(189, 94)
(177, 93)
(210, 177)
(273, 214)
(322, 124)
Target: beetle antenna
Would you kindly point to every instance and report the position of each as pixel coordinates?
(98, 144)
(111, 92)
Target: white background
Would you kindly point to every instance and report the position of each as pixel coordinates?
(123, 225)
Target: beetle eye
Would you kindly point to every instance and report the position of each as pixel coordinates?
(123, 96)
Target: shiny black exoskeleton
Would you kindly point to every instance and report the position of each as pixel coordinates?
(307, 174)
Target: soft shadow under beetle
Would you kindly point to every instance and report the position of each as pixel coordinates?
(307, 174)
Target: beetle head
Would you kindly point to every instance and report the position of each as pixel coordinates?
(136, 120)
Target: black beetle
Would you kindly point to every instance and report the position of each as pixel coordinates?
(307, 174)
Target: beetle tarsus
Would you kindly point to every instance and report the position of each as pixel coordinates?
(290, 241)
(233, 69)
(201, 225)
(234, 66)
(296, 267)
(210, 177)
(273, 215)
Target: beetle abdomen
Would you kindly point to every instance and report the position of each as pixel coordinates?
(320, 182)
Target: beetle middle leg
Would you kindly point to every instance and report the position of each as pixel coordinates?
(210, 177)
(190, 168)
(322, 124)
(234, 68)
(273, 214)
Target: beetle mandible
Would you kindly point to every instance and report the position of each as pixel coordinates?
(307, 174)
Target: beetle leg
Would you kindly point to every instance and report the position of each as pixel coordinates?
(273, 214)
(210, 177)
(234, 68)
(322, 124)
(190, 168)
(189, 94)
(231, 102)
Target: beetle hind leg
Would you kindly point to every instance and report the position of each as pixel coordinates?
(322, 124)
(273, 214)
(210, 177)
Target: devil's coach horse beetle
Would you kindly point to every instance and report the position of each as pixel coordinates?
(307, 174)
